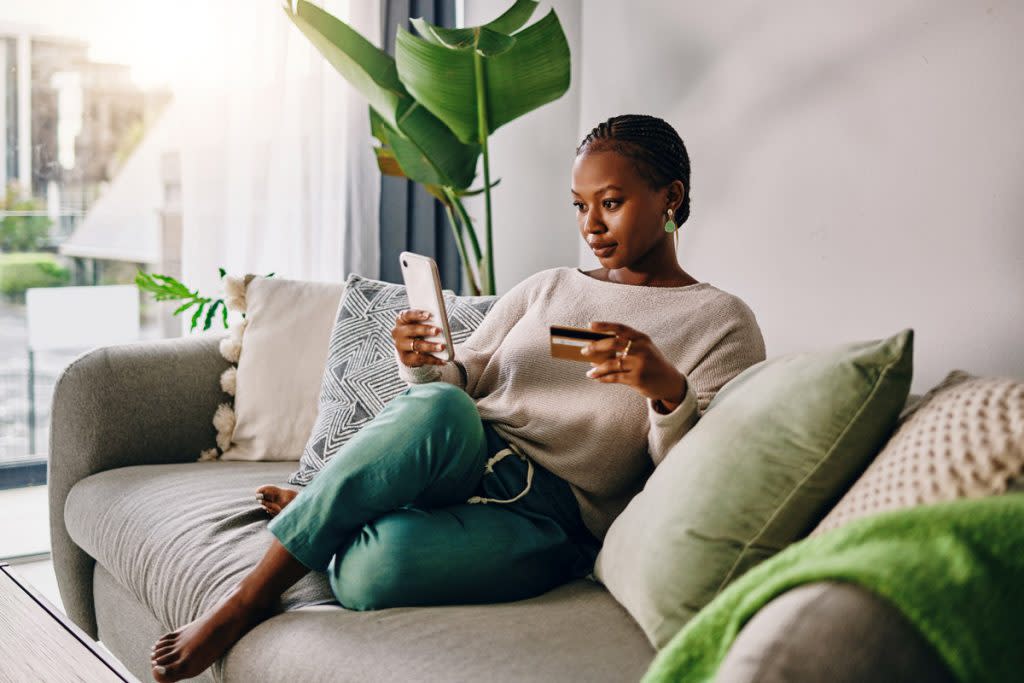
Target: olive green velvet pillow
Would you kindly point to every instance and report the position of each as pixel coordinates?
(778, 445)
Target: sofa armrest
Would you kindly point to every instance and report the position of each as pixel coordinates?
(830, 631)
(128, 404)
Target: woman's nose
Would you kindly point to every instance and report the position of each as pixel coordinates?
(592, 222)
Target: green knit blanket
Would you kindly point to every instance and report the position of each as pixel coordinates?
(955, 570)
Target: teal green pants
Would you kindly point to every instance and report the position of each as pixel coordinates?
(390, 522)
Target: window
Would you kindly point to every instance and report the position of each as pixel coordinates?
(70, 123)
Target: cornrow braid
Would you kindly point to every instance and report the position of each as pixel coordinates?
(654, 146)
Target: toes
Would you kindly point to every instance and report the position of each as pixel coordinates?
(160, 673)
(164, 658)
(162, 650)
(166, 672)
(166, 639)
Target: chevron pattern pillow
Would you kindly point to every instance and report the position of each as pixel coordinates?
(361, 375)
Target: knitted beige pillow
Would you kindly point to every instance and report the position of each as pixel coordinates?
(964, 439)
(280, 348)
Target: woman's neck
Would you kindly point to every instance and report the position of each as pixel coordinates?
(624, 276)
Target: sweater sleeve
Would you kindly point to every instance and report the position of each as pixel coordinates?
(422, 374)
(472, 355)
(737, 346)
(668, 428)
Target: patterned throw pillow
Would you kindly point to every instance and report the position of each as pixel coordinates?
(965, 439)
(361, 376)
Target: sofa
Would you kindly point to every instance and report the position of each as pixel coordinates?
(145, 538)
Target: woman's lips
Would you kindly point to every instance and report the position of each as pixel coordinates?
(601, 253)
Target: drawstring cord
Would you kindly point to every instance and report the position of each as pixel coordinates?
(489, 468)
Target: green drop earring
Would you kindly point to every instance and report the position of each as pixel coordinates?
(670, 225)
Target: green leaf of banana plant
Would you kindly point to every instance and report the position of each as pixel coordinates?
(535, 70)
(410, 159)
(388, 165)
(425, 148)
(513, 19)
(484, 40)
(472, 193)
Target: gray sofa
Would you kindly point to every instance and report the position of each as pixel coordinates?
(145, 538)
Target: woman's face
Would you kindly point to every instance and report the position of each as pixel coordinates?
(615, 205)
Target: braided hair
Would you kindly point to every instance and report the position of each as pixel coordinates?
(655, 148)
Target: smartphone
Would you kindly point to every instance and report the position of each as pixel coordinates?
(423, 289)
(567, 342)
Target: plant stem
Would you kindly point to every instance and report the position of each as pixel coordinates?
(481, 117)
(474, 288)
(461, 208)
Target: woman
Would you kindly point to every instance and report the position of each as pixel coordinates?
(422, 506)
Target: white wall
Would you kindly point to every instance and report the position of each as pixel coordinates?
(857, 166)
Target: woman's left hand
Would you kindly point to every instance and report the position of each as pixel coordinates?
(644, 368)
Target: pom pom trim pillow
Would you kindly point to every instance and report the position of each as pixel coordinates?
(778, 444)
(361, 373)
(280, 348)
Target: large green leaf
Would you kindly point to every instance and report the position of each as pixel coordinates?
(486, 41)
(500, 29)
(369, 70)
(514, 18)
(425, 148)
(420, 161)
(533, 72)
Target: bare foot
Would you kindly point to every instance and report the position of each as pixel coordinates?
(191, 649)
(274, 499)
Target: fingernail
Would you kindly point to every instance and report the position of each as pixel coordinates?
(590, 373)
(584, 351)
(435, 330)
(160, 669)
(259, 496)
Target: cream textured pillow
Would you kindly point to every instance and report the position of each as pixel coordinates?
(965, 439)
(280, 347)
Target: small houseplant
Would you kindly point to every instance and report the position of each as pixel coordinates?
(167, 288)
(433, 106)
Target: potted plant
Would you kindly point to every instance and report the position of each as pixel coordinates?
(433, 106)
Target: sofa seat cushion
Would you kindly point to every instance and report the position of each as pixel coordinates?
(177, 537)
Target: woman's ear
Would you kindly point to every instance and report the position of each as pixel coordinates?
(676, 192)
(680, 193)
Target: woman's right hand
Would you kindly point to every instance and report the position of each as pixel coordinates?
(410, 328)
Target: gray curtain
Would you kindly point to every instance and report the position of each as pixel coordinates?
(411, 219)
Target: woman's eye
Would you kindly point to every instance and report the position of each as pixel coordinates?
(578, 205)
(611, 201)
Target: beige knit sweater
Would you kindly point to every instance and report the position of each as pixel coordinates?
(604, 439)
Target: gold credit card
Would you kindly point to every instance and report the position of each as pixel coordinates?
(567, 342)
